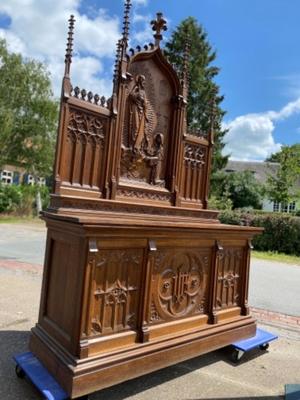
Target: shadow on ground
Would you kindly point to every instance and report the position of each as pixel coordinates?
(13, 388)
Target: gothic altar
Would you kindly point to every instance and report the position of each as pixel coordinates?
(138, 273)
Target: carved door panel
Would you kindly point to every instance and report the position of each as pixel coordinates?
(229, 276)
(115, 290)
(179, 286)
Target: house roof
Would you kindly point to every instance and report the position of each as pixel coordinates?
(261, 170)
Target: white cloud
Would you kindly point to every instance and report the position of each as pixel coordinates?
(38, 29)
(250, 136)
(140, 2)
(291, 108)
(14, 43)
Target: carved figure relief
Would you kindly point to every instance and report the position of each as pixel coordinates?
(146, 127)
(138, 115)
(229, 276)
(180, 283)
(116, 285)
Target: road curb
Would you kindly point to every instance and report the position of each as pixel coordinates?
(21, 266)
(282, 320)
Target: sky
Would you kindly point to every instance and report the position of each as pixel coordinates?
(257, 45)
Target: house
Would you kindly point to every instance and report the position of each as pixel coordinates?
(261, 172)
(13, 175)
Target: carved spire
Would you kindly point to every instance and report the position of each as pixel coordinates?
(69, 49)
(213, 111)
(117, 64)
(185, 69)
(158, 25)
(126, 23)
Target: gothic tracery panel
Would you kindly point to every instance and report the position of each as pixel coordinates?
(115, 290)
(193, 171)
(84, 149)
(230, 263)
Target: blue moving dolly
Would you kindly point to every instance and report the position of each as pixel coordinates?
(260, 340)
(29, 366)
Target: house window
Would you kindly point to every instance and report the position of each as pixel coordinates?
(284, 207)
(292, 206)
(6, 177)
(30, 180)
(41, 181)
(276, 206)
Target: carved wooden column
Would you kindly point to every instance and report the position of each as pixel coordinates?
(245, 280)
(177, 148)
(145, 301)
(218, 254)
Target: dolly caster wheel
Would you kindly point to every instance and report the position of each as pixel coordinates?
(236, 356)
(20, 372)
(264, 346)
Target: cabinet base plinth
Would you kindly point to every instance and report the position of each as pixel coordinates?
(79, 377)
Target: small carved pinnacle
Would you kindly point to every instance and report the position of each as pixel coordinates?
(90, 97)
(158, 25)
(103, 101)
(69, 49)
(83, 94)
(96, 98)
(76, 91)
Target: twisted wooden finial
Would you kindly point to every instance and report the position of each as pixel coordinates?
(158, 25)
(69, 49)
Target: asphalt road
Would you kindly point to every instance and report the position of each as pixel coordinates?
(273, 286)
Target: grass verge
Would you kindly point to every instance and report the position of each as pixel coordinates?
(10, 219)
(273, 256)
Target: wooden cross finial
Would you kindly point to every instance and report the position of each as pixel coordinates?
(158, 25)
(69, 49)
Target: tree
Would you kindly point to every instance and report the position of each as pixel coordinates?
(202, 88)
(282, 187)
(28, 115)
(241, 188)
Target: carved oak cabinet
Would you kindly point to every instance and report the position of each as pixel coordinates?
(138, 273)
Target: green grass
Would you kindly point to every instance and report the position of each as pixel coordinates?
(273, 256)
(10, 219)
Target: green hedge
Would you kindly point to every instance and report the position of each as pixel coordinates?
(20, 199)
(282, 231)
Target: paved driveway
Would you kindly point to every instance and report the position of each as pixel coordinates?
(273, 286)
